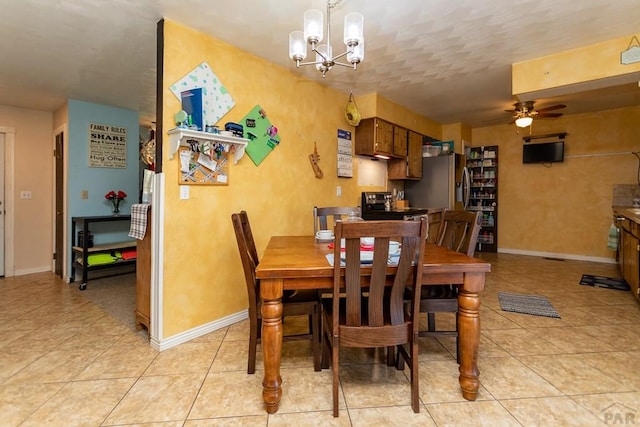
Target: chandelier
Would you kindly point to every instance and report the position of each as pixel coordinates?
(313, 35)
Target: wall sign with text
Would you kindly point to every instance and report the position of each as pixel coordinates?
(107, 146)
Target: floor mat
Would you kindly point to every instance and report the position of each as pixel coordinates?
(604, 282)
(527, 304)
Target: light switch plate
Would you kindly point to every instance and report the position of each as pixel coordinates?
(184, 192)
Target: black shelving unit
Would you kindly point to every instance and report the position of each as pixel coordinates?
(482, 163)
(81, 250)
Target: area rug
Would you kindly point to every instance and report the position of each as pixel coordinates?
(604, 282)
(527, 304)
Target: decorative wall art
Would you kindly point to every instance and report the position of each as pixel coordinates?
(262, 135)
(107, 146)
(216, 101)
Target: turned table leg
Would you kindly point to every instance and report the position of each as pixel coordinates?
(469, 334)
(271, 294)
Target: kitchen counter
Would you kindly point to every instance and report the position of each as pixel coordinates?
(628, 212)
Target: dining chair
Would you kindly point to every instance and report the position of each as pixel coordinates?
(324, 218)
(303, 302)
(458, 231)
(371, 314)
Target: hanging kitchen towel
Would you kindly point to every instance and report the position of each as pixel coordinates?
(612, 241)
(138, 220)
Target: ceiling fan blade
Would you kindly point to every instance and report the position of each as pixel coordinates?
(551, 108)
(549, 114)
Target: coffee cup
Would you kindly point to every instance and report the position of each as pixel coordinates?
(324, 235)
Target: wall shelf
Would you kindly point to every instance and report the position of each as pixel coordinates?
(179, 136)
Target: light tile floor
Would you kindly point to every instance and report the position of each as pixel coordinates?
(65, 362)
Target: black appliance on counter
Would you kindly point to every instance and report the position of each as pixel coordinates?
(378, 205)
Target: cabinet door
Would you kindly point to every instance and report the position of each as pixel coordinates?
(384, 137)
(400, 141)
(415, 155)
(374, 136)
(631, 264)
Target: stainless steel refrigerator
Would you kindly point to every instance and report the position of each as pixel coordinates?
(444, 184)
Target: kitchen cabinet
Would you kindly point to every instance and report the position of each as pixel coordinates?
(374, 137)
(377, 137)
(409, 167)
(629, 243)
(80, 251)
(482, 163)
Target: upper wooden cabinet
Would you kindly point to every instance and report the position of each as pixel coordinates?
(374, 137)
(400, 141)
(414, 158)
(410, 166)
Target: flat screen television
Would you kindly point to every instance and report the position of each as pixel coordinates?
(545, 152)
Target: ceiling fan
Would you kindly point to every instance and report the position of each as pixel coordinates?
(523, 113)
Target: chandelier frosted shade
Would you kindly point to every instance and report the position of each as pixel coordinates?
(357, 54)
(297, 46)
(353, 28)
(313, 34)
(324, 58)
(523, 122)
(313, 26)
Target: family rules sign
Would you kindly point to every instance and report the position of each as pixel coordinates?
(107, 146)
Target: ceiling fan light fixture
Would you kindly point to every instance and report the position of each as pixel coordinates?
(523, 122)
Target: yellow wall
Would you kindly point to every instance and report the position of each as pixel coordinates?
(203, 278)
(564, 208)
(596, 65)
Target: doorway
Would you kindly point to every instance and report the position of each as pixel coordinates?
(2, 205)
(59, 208)
(6, 209)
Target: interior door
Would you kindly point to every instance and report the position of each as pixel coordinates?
(2, 205)
(59, 192)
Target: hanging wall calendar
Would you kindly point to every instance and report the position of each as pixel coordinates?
(345, 160)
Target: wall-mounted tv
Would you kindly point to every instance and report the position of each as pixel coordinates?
(545, 152)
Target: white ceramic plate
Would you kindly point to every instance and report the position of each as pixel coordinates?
(365, 256)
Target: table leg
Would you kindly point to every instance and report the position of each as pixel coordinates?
(271, 294)
(469, 334)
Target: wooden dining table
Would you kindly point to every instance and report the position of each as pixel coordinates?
(300, 262)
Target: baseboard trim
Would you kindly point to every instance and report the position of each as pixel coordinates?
(199, 331)
(558, 255)
(41, 269)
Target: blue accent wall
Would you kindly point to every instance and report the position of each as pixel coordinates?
(98, 181)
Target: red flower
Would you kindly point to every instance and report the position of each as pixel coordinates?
(120, 195)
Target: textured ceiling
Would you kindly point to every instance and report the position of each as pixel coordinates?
(448, 60)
